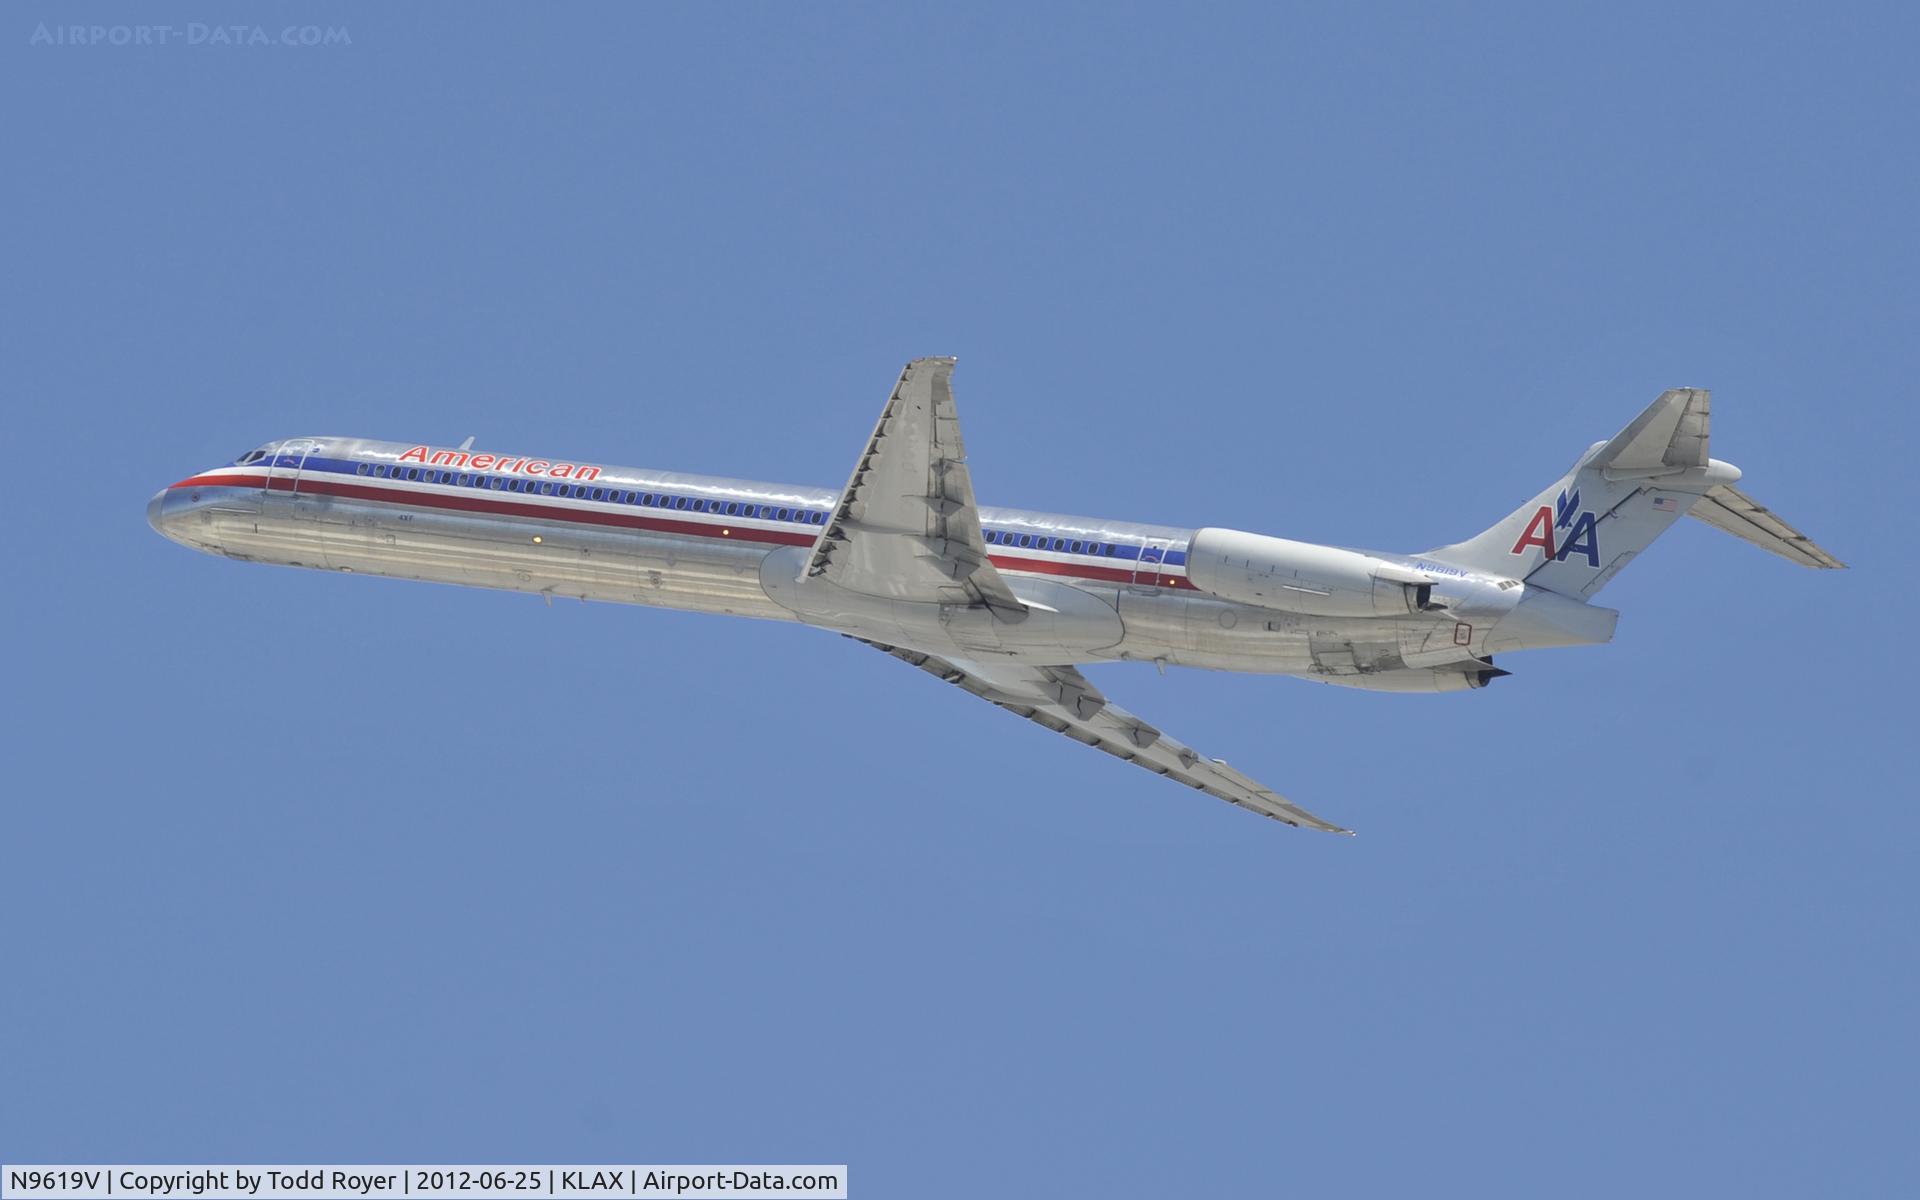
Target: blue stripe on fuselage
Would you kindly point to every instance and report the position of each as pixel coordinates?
(799, 514)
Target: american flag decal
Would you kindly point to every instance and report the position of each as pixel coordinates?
(1665, 504)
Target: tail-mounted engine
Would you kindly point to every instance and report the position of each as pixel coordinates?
(1252, 568)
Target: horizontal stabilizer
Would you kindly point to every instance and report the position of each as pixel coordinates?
(1671, 434)
(1730, 510)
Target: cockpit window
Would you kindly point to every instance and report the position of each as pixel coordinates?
(252, 456)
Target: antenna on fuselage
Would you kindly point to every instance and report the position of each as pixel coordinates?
(468, 444)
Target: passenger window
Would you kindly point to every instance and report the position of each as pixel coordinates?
(733, 509)
(546, 489)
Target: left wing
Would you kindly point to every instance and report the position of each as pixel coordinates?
(1063, 700)
(906, 527)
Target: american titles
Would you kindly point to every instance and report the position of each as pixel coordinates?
(428, 457)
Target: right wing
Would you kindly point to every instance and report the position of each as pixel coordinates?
(1063, 700)
(1731, 510)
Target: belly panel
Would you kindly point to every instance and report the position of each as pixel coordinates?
(515, 554)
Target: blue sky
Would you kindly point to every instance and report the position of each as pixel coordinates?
(309, 868)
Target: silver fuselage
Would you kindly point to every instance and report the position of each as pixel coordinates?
(1105, 590)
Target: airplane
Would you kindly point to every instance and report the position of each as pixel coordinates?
(1004, 603)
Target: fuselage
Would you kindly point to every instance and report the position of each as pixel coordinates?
(1106, 590)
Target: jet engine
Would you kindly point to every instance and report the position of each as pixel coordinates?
(1419, 680)
(1322, 581)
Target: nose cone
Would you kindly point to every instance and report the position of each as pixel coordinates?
(168, 513)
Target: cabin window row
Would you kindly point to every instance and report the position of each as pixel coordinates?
(1041, 541)
(700, 504)
(606, 495)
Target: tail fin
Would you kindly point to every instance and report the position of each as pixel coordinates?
(1576, 535)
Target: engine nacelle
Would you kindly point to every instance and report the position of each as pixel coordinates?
(1299, 577)
(1417, 681)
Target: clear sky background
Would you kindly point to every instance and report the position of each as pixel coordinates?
(311, 868)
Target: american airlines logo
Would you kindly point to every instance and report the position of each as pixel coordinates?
(1563, 514)
(428, 457)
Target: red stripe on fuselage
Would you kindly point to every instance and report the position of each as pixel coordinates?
(621, 520)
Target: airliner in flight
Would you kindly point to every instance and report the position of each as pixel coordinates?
(1004, 603)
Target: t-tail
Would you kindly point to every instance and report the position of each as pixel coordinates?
(1577, 534)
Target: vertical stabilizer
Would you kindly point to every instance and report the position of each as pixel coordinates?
(1577, 534)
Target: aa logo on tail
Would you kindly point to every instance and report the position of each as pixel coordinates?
(1565, 513)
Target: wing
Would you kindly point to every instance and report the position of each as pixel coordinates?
(1731, 510)
(1063, 700)
(907, 527)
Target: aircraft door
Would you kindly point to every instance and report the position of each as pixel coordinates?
(1153, 555)
(284, 465)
